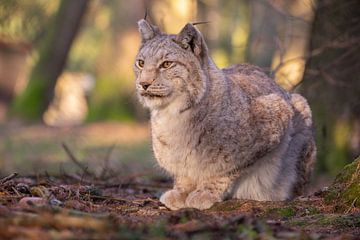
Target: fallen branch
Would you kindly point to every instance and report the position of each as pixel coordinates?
(106, 168)
(77, 162)
(8, 178)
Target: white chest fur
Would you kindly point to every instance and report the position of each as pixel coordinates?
(172, 140)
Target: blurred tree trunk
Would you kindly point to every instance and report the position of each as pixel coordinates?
(54, 50)
(261, 44)
(331, 82)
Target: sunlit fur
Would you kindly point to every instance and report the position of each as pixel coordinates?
(220, 133)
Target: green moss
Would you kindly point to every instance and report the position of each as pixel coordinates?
(338, 220)
(287, 212)
(30, 104)
(299, 223)
(312, 211)
(247, 232)
(345, 191)
(284, 212)
(325, 220)
(352, 194)
(351, 220)
(348, 172)
(158, 230)
(229, 205)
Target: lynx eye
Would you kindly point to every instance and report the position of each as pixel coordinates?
(140, 63)
(166, 64)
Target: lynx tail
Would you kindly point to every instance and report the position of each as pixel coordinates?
(302, 123)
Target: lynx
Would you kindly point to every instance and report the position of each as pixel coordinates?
(220, 133)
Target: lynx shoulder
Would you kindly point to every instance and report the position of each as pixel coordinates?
(220, 133)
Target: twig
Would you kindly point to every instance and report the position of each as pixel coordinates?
(333, 44)
(8, 178)
(77, 162)
(77, 178)
(82, 177)
(328, 78)
(285, 13)
(16, 191)
(352, 206)
(281, 56)
(341, 57)
(106, 161)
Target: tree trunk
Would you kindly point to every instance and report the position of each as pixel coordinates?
(54, 51)
(331, 82)
(261, 43)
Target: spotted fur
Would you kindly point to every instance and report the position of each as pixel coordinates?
(220, 133)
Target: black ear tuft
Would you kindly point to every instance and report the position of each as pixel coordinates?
(147, 30)
(190, 38)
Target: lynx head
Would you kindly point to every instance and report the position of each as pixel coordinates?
(170, 68)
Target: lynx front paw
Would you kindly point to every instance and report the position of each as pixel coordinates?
(173, 199)
(201, 200)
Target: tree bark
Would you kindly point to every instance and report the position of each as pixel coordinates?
(261, 43)
(54, 51)
(331, 82)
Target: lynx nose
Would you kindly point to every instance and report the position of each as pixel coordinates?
(145, 85)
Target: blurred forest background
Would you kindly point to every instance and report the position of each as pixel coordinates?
(66, 74)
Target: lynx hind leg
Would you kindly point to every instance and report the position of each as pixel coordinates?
(273, 111)
(303, 125)
(302, 107)
(305, 167)
(271, 116)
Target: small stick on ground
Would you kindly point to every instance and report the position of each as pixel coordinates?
(352, 206)
(8, 178)
(16, 191)
(77, 162)
(106, 167)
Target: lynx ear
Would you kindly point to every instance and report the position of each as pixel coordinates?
(190, 38)
(147, 30)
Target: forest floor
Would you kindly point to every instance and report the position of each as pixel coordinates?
(80, 207)
(109, 202)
